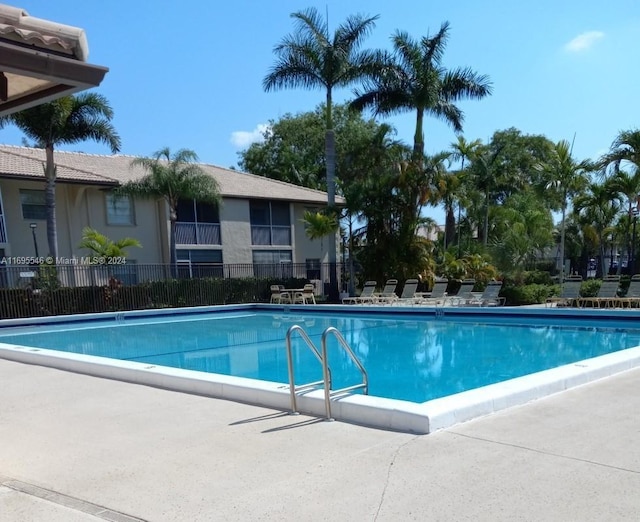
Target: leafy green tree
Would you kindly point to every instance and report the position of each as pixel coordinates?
(67, 120)
(311, 58)
(523, 231)
(563, 177)
(173, 177)
(292, 148)
(101, 245)
(414, 79)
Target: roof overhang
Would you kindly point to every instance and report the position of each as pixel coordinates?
(41, 61)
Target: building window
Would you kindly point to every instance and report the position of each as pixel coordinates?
(127, 273)
(199, 263)
(198, 223)
(272, 263)
(119, 209)
(313, 268)
(191, 211)
(33, 204)
(270, 222)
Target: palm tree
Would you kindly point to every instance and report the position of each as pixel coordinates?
(595, 207)
(625, 148)
(311, 58)
(67, 120)
(566, 177)
(485, 175)
(624, 185)
(319, 225)
(462, 150)
(102, 246)
(413, 78)
(172, 177)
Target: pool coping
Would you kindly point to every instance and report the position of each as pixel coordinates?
(367, 410)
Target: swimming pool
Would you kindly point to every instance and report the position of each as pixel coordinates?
(415, 359)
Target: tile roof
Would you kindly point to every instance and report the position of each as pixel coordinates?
(76, 167)
(17, 26)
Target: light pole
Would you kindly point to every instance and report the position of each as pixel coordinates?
(33, 227)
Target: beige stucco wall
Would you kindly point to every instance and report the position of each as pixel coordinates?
(77, 206)
(235, 231)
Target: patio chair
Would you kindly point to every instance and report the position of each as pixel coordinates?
(388, 294)
(278, 296)
(607, 294)
(490, 296)
(632, 297)
(569, 293)
(408, 295)
(437, 295)
(306, 296)
(464, 293)
(367, 294)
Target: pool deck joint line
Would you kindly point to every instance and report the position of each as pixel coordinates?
(67, 501)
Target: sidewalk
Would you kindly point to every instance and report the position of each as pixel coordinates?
(131, 452)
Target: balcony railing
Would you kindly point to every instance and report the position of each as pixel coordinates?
(3, 230)
(270, 235)
(197, 233)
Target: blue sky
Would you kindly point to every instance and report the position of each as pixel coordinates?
(189, 73)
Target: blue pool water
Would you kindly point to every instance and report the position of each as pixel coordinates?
(409, 358)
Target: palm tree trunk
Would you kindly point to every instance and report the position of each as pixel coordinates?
(418, 138)
(330, 154)
(50, 202)
(562, 234)
(352, 288)
(449, 227)
(173, 218)
(486, 219)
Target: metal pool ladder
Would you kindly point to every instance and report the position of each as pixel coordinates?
(326, 370)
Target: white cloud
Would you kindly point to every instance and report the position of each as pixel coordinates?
(242, 139)
(583, 41)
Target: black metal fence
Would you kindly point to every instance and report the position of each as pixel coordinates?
(42, 290)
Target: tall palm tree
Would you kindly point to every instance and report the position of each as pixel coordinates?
(173, 177)
(414, 79)
(625, 148)
(626, 186)
(595, 207)
(485, 175)
(565, 177)
(462, 150)
(67, 120)
(312, 58)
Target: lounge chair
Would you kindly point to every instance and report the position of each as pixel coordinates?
(632, 297)
(569, 293)
(607, 294)
(437, 295)
(366, 296)
(490, 296)
(408, 293)
(388, 294)
(464, 293)
(306, 296)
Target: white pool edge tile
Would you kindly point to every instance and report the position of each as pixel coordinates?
(366, 410)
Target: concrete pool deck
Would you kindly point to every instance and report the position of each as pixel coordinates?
(76, 447)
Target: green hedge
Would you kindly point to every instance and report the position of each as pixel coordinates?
(26, 302)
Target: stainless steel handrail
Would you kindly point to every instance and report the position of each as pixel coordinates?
(326, 372)
(325, 368)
